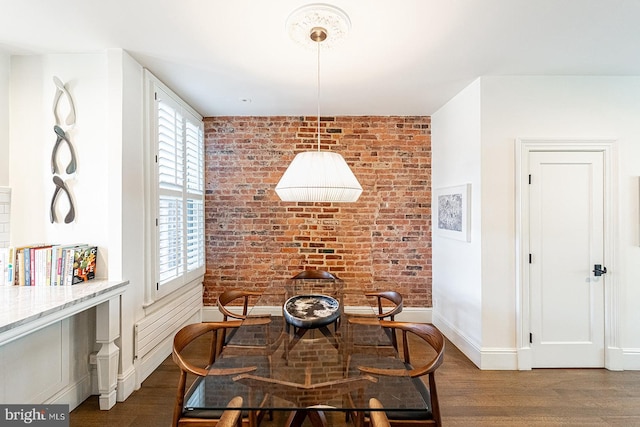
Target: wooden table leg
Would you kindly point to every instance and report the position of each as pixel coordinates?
(330, 336)
(317, 418)
(296, 418)
(300, 332)
(297, 336)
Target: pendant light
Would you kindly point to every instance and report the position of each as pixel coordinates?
(318, 176)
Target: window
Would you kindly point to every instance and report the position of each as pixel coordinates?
(176, 196)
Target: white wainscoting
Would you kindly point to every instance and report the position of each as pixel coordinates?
(37, 366)
(49, 365)
(154, 333)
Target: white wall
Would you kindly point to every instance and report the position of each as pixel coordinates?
(546, 107)
(571, 107)
(108, 187)
(126, 201)
(31, 142)
(5, 72)
(457, 286)
(32, 139)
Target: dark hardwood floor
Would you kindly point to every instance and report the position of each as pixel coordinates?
(468, 397)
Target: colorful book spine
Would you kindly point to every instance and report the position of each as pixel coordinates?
(27, 266)
(53, 265)
(21, 270)
(47, 267)
(85, 264)
(68, 268)
(11, 266)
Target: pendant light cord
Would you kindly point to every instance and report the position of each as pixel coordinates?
(318, 96)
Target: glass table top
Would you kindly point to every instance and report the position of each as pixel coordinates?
(301, 367)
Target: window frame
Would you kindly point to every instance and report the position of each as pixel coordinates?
(188, 190)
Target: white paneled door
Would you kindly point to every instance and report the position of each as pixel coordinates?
(566, 241)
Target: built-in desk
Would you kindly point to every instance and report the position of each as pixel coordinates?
(26, 309)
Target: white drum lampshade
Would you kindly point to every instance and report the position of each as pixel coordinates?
(318, 176)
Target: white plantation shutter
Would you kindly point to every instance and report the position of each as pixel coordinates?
(179, 161)
(195, 233)
(195, 157)
(170, 238)
(194, 148)
(170, 146)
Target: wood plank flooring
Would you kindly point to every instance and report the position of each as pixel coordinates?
(468, 397)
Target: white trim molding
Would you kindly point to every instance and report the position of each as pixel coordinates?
(466, 345)
(126, 384)
(523, 148)
(631, 359)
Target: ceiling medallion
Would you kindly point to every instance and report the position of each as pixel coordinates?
(318, 176)
(304, 19)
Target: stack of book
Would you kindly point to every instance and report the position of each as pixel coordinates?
(50, 265)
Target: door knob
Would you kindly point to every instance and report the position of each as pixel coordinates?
(599, 270)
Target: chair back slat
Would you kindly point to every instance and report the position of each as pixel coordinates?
(315, 275)
(378, 416)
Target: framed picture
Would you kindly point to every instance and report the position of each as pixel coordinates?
(452, 215)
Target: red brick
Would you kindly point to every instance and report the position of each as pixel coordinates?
(382, 240)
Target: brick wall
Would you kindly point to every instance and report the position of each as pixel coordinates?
(383, 240)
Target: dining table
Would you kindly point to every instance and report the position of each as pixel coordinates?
(298, 341)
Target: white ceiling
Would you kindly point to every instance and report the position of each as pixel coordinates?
(403, 57)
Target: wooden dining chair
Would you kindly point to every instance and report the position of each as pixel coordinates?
(421, 353)
(315, 275)
(234, 304)
(377, 416)
(389, 304)
(232, 417)
(314, 281)
(216, 377)
(237, 298)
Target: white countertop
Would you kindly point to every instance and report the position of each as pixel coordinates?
(24, 309)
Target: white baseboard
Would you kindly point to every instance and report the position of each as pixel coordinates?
(631, 359)
(415, 314)
(499, 359)
(513, 359)
(459, 339)
(524, 359)
(486, 358)
(126, 384)
(210, 313)
(73, 394)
